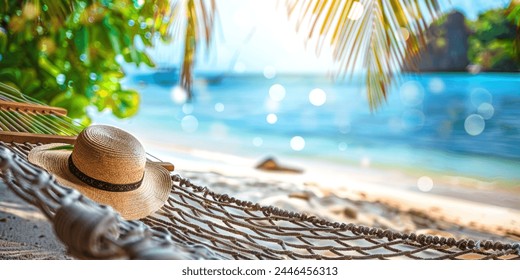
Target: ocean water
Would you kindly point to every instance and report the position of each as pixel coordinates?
(455, 124)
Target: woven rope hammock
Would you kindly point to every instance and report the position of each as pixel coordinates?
(195, 222)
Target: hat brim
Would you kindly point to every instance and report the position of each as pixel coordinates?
(139, 203)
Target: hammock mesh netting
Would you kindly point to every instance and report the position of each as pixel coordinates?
(197, 223)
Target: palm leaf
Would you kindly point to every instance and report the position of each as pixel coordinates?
(64, 147)
(194, 20)
(54, 9)
(59, 9)
(379, 35)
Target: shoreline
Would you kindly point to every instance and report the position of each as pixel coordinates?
(236, 150)
(367, 197)
(473, 208)
(498, 192)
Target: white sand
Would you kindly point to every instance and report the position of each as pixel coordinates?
(330, 191)
(465, 202)
(25, 233)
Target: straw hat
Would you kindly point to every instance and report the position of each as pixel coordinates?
(108, 165)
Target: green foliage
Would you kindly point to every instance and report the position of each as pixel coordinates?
(492, 44)
(69, 53)
(513, 15)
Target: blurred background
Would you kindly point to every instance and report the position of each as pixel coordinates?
(429, 88)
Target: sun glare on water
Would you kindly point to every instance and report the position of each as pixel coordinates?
(297, 143)
(189, 123)
(317, 97)
(179, 95)
(271, 118)
(219, 107)
(277, 92)
(269, 72)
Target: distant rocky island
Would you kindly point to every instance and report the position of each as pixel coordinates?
(455, 44)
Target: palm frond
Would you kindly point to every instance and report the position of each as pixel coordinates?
(379, 35)
(53, 9)
(41, 10)
(58, 9)
(194, 19)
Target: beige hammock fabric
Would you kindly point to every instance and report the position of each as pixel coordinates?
(196, 223)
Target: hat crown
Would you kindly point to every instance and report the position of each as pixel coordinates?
(109, 154)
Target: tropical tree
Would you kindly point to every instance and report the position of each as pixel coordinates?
(513, 15)
(197, 22)
(492, 44)
(69, 53)
(378, 35)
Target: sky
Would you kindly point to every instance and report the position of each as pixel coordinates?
(253, 36)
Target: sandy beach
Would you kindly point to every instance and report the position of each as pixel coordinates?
(293, 126)
(327, 188)
(366, 196)
(25, 233)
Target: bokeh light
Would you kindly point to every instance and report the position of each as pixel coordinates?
(436, 86)
(479, 96)
(120, 59)
(486, 110)
(271, 105)
(269, 72)
(30, 11)
(405, 33)
(297, 143)
(474, 124)
(411, 93)
(219, 107)
(342, 146)
(258, 141)
(189, 124)
(271, 118)
(179, 95)
(356, 11)
(425, 184)
(277, 92)
(187, 109)
(317, 97)
(60, 79)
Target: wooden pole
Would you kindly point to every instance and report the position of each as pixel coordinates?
(23, 137)
(35, 108)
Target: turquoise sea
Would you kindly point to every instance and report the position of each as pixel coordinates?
(455, 124)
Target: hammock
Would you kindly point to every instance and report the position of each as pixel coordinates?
(195, 222)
